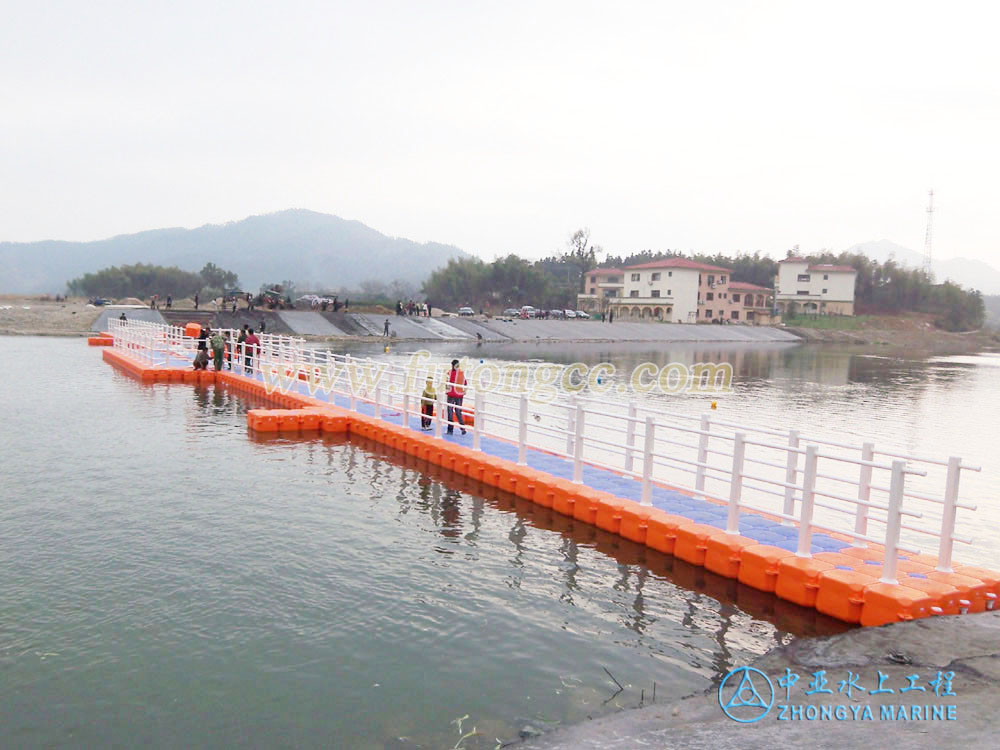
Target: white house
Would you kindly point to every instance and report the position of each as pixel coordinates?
(672, 290)
(815, 287)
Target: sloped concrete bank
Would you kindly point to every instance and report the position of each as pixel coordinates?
(881, 659)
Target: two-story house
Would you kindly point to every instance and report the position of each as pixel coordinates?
(672, 290)
(600, 288)
(814, 288)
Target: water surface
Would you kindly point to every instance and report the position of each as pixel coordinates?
(167, 580)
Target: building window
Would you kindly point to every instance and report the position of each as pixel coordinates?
(655, 293)
(634, 293)
(802, 277)
(801, 292)
(635, 277)
(670, 293)
(824, 291)
(736, 298)
(593, 291)
(749, 314)
(722, 279)
(711, 279)
(656, 276)
(735, 315)
(826, 277)
(670, 273)
(708, 313)
(709, 296)
(724, 295)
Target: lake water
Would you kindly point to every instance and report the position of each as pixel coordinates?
(168, 580)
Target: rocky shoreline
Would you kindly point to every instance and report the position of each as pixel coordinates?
(967, 647)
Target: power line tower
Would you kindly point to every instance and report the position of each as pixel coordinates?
(929, 236)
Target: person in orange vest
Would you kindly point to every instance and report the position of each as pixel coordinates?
(455, 393)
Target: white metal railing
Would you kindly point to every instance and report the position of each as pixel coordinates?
(860, 492)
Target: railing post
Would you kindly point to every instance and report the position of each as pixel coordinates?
(806, 517)
(522, 430)
(706, 426)
(948, 514)
(736, 484)
(893, 521)
(630, 436)
(864, 494)
(350, 382)
(647, 463)
(406, 410)
(578, 445)
(479, 403)
(791, 472)
(378, 402)
(570, 425)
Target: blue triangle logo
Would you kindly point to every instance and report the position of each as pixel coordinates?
(746, 694)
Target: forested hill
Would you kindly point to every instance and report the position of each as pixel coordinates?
(317, 250)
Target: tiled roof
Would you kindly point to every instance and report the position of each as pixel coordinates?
(598, 271)
(827, 267)
(743, 286)
(793, 259)
(677, 263)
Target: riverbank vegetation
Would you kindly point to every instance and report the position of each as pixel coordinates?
(143, 280)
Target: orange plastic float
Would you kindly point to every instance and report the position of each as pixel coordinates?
(724, 553)
(759, 565)
(798, 579)
(887, 602)
(841, 593)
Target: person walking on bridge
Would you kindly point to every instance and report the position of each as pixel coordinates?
(455, 393)
(218, 344)
(250, 348)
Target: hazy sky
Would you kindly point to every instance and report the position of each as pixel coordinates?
(504, 126)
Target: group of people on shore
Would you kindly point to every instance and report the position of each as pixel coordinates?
(420, 309)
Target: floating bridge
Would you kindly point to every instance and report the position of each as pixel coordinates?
(860, 532)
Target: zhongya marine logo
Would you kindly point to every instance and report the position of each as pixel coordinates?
(746, 695)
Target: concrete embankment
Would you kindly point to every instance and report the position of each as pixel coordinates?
(363, 326)
(967, 646)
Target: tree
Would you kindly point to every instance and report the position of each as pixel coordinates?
(219, 278)
(582, 253)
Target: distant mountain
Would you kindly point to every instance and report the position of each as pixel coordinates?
(972, 274)
(312, 249)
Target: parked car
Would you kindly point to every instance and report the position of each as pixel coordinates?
(527, 311)
(466, 312)
(582, 314)
(511, 312)
(570, 313)
(556, 314)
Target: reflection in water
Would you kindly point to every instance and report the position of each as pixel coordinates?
(635, 562)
